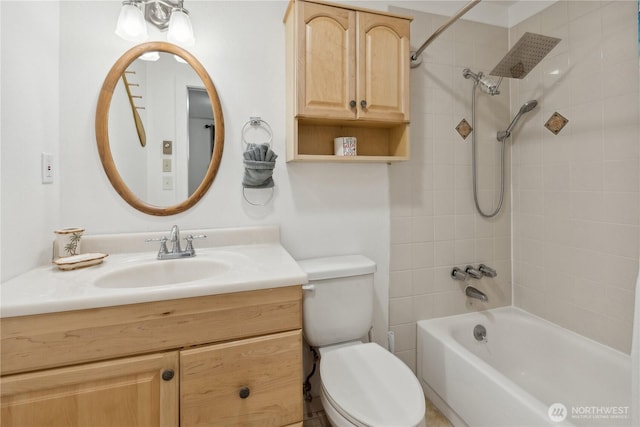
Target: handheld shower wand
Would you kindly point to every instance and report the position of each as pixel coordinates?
(526, 107)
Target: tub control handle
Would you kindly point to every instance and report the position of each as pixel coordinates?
(458, 274)
(473, 272)
(487, 271)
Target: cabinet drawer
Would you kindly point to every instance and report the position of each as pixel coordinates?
(266, 368)
(57, 339)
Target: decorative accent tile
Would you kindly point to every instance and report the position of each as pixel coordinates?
(556, 122)
(464, 128)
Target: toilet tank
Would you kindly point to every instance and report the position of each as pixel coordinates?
(337, 304)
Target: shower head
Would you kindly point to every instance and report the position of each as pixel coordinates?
(526, 107)
(524, 55)
(486, 84)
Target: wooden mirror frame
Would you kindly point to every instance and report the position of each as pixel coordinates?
(102, 128)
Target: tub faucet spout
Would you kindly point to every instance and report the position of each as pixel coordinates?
(472, 292)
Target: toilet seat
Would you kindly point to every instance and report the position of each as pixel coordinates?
(369, 386)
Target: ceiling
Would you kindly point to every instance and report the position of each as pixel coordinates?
(504, 13)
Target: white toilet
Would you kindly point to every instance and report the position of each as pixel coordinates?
(362, 383)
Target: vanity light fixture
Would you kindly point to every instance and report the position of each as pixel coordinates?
(180, 30)
(163, 14)
(131, 24)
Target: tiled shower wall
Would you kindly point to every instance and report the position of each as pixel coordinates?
(434, 226)
(576, 209)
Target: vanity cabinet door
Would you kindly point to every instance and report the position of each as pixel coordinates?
(256, 381)
(326, 61)
(383, 64)
(137, 391)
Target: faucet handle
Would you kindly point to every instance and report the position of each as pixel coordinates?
(196, 237)
(458, 274)
(190, 238)
(487, 271)
(163, 244)
(473, 272)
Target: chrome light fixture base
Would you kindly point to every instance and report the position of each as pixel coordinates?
(158, 12)
(163, 14)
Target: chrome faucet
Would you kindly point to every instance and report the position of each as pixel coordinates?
(472, 292)
(176, 249)
(175, 240)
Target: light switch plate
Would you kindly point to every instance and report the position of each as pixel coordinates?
(166, 165)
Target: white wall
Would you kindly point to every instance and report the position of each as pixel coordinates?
(322, 209)
(29, 126)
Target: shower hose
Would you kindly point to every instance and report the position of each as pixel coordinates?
(474, 165)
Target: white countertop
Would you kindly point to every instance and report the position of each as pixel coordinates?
(259, 262)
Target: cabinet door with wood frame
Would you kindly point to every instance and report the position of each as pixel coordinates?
(135, 391)
(351, 64)
(326, 61)
(250, 382)
(383, 68)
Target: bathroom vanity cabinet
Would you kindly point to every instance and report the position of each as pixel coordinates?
(228, 359)
(347, 71)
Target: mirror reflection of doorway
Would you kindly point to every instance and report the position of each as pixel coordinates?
(201, 135)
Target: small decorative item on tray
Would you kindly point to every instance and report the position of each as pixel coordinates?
(79, 261)
(68, 241)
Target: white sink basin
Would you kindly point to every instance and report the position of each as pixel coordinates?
(160, 273)
(230, 260)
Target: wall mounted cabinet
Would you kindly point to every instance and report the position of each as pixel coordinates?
(347, 75)
(231, 359)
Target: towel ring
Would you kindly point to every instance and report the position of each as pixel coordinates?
(255, 123)
(244, 194)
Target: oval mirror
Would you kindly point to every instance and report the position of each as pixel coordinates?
(159, 128)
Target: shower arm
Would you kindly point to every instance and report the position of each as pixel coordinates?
(415, 56)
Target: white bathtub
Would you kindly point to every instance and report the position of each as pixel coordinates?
(521, 373)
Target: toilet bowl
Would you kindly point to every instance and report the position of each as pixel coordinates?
(362, 384)
(365, 385)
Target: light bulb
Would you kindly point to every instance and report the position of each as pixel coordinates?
(180, 30)
(150, 56)
(131, 25)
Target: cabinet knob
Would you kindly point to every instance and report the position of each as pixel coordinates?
(244, 392)
(363, 103)
(167, 375)
(353, 103)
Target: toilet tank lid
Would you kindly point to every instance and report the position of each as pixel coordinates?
(337, 266)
